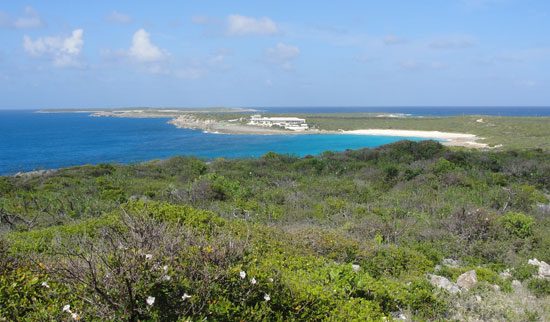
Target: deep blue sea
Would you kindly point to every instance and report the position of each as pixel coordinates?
(31, 141)
(419, 111)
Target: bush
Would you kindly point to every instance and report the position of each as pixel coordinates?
(541, 287)
(442, 166)
(395, 261)
(517, 224)
(524, 272)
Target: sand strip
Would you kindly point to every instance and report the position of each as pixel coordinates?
(451, 139)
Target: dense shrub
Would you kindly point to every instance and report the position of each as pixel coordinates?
(517, 224)
(541, 287)
(392, 261)
(340, 236)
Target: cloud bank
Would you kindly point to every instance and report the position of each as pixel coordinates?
(282, 55)
(118, 18)
(143, 50)
(238, 25)
(63, 51)
(29, 20)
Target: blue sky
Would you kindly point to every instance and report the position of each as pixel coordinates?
(108, 54)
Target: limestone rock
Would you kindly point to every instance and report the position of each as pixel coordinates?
(444, 283)
(506, 274)
(449, 262)
(467, 280)
(544, 268)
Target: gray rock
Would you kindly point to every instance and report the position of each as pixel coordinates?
(516, 284)
(444, 283)
(495, 287)
(449, 262)
(506, 274)
(467, 280)
(37, 173)
(544, 268)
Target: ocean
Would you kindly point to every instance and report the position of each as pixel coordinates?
(31, 141)
(420, 111)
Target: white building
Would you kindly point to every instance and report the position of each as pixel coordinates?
(289, 123)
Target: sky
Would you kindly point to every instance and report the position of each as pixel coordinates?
(110, 54)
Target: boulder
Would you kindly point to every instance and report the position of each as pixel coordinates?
(506, 274)
(544, 268)
(467, 280)
(449, 262)
(444, 283)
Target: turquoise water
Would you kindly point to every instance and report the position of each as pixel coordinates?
(31, 141)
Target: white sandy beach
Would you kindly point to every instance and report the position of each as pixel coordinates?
(452, 139)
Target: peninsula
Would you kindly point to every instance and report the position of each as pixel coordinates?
(472, 131)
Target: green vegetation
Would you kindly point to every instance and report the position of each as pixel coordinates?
(511, 132)
(341, 237)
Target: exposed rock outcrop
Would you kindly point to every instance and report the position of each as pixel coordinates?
(544, 268)
(449, 262)
(444, 283)
(467, 280)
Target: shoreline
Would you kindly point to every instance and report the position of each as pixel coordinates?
(219, 127)
(186, 119)
(451, 139)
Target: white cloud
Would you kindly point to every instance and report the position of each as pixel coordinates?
(218, 59)
(29, 20)
(64, 52)
(238, 25)
(410, 64)
(143, 50)
(437, 65)
(200, 19)
(414, 65)
(476, 4)
(5, 20)
(118, 18)
(449, 44)
(394, 40)
(282, 55)
(364, 58)
(528, 83)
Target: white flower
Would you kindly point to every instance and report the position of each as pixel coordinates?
(44, 284)
(120, 246)
(185, 296)
(267, 297)
(165, 268)
(75, 316)
(148, 256)
(66, 308)
(270, 280)
(253, 281)
(150, 300)
(243, 274)
(166, 277)
(355, 268)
